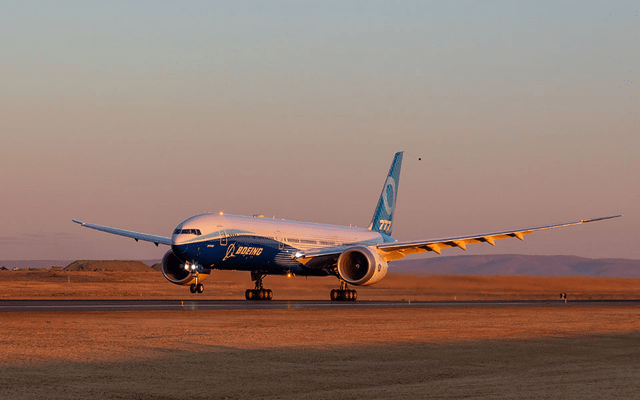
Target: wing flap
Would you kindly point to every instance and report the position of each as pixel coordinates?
(134, 235)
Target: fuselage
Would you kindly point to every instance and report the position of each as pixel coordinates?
(231, 242)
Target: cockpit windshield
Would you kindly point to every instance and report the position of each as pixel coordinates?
(187, 232)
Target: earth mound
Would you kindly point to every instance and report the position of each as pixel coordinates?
(108, 265)
(157, 267)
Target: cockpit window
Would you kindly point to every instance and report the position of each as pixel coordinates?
(187, 232)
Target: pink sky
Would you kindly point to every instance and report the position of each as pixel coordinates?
(139, 117)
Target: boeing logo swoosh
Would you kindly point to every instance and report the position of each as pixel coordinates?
(230, 251)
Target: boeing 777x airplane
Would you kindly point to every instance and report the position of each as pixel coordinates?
(264, 246)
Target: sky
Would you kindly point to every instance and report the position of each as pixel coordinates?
(141, 114)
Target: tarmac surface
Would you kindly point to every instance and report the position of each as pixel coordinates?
(172, 305)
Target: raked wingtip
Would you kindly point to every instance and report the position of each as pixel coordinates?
(584, 221)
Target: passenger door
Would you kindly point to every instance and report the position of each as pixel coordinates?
(223, 236)
(280, 240)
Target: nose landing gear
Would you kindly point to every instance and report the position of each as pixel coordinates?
(259, 293)
(344, 293)
(196, 287)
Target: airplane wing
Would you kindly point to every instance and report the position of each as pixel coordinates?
(397, 250)
(135, 235)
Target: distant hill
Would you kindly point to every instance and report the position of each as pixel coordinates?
(23, 264)
(514, 264)
(11, 264)
(108, 265)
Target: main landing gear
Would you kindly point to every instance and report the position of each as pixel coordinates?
(344, 293)
(259, 293)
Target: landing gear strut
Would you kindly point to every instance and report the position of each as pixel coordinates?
(259, 293)
(344, 293)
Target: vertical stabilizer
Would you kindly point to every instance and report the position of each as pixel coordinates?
(382, 220)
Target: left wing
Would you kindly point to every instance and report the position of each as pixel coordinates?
(396, 250)
(135, 235)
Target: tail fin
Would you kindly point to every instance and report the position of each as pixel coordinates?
(382, 220)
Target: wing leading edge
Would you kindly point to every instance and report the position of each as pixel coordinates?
(135, 235)
(396, 250)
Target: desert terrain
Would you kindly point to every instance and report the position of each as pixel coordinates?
(230, 285)
(492, 352)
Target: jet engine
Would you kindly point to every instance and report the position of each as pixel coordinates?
(181, 273)
(361, 266)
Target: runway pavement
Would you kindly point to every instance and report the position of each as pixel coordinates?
(146, 305)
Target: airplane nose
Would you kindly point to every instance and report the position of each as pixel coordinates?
(179, 250)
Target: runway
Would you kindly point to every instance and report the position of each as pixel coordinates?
(168, 305)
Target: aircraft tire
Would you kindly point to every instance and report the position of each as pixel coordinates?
(334, 295)
(249, 294)
(261, 293)
(269, 294)
(354, 295)
(200, 288)
(193, 288)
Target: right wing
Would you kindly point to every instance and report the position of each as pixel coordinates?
(135, 235)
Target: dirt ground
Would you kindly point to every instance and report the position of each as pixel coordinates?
(230, 285)
(495, 352)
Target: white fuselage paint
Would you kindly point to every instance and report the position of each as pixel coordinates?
(299, 235)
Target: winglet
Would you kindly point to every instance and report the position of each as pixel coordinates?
(77, 222)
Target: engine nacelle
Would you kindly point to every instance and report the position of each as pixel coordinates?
(174, 270)
(361, 266)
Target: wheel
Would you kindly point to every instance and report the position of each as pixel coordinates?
(248, 294)
(347, 295)
(354, 295)
(269, 294)
(193, 288)
(260, 295)
(200, 288)
(334, 295)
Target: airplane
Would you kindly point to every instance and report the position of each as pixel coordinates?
(269, 246)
